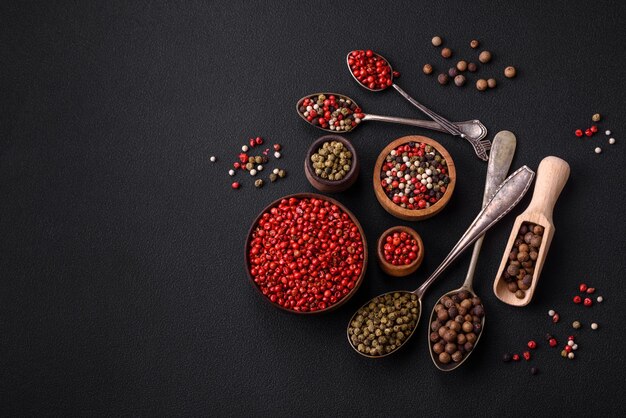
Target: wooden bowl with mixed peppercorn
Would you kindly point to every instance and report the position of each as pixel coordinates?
(331, 164)
(423, 167)
(400, 251)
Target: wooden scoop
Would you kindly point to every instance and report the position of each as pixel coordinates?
(552, 175)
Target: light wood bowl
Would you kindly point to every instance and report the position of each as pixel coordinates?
(331, 186)
(405, 270)
(301, 196)
(413, 214)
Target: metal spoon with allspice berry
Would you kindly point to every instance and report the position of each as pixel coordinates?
(471, 127)
(508, 194)
(500, 158)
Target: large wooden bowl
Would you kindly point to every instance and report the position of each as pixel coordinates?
(302, 196)
(413, 214)
(331, 186)
(404, 270)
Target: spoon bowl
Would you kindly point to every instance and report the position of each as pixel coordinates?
(433, 317)
(363, 84)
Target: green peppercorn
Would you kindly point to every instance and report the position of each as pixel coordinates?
(258, 183)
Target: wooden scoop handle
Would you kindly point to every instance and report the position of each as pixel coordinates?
(552, 175)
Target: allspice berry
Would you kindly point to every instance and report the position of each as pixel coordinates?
(484, 57)
(443, 79)
(446, 52)
(459, 80)
(427, 69)
(491, 83)
(474, 44)
(481, 85)
(472, 67)
(461, 65)
(452, 72)
(510, 72)
(437, 41)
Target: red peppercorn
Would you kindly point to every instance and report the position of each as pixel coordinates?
(251, 142)
(588, 132)
(515, 357)
(591, 290)
(258, 140)
(553, 342)
(579, 132)
(577, 299)
(568, 348)
(588, 302)
(277, 147)
(532, 344)
(571, 338)
(243, 158)
(526, 355)
(555, 318)
(236, 165)
(396, 74)
(582, 287)
(593, 129)
(235, 185)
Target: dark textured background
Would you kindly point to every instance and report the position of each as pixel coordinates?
(122, 286)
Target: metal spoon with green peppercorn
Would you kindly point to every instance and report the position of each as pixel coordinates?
(457, 320)
(373, 321)
(374, 72)
(344, 114)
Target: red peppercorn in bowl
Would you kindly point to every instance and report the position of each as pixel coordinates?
(306, 253)
(400, 251)
(414, 178)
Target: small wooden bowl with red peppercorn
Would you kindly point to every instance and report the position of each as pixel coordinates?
(291, 274)
(388, 243)
(424, 206)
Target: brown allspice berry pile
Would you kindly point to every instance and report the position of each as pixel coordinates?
(521, 265)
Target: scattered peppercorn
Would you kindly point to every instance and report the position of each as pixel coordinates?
(273, 177)
(290, 253)
(277, 155)
(414, 175)
(593, 129)
(598, 150)
(607, 132)
(370, 69)
(443, 79)
(258, 183)
(332, 161)
(459, 80)
(521, 263)
(427, 69)
(244, 148)
(551, 312)
(552, 342)
(576, 325)
(611, 141)
(481, 85)
(456, 324)
(594, 326)
(437, 41)
(596, 117)
(235, 185)
(577, 299)
(599, 299)
(446, 52)
(337, 113)
(578, 132)
(491, 83)
(582, 287)
(588, 132)
(472, 67)
(556, 318)
(385, 323)
(510, 72)
(277, 147)
(484, 57)
(587, 302)
(461, 65)
(452, 72)
(590, 290)
(515, 357)
(474, 44)
(532, 344)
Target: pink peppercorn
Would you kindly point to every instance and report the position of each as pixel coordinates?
(235, 185)
(552, 342)
(578, 132)
(588, 302)
(577, 299)
(526, 355)
(532, 344)
(582, 287)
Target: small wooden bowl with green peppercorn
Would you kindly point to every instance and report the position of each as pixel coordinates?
(319, 176)
(404, 269)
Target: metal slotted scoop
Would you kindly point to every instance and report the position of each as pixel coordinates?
(500, 158)
(480, 145)
(353, 119)
(368, 320)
